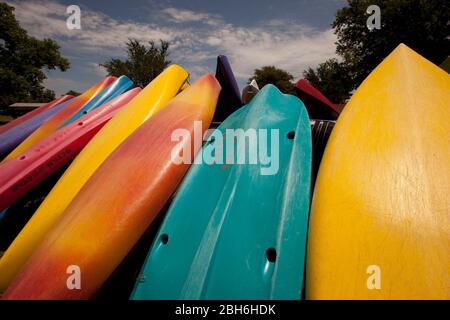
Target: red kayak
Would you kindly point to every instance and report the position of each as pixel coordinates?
(33, 113)
(21, 174)
(318, 106)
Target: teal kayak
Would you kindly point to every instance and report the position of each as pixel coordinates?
(237, 229)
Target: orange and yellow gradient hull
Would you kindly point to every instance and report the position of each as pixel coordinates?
(148, 102)
(117, 205)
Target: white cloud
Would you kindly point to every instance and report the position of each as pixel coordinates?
(181, 16)
(99, 32)
(294, 49)
(196, 38)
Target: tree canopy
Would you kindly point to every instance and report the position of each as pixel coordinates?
(420, 24)
(331, 78)
(22, 60)
(143, 64)
(278, 77)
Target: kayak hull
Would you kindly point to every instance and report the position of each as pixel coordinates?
(35, 112)
(217, 241)
(19, 175)
(148, 102)
(16, 135)
(96, 232)
(379, 224)
(53, 123)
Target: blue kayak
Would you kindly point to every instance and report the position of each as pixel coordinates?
(115, 89)
(237, 226)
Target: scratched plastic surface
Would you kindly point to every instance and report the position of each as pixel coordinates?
(382, 193)
(149, 101)
(232, 232)
(53, 123)
(118, 203)
(21, 174)
(33, 113)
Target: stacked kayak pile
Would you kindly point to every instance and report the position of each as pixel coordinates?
(223, 194)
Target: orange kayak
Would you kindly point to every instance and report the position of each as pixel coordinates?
(118, 203)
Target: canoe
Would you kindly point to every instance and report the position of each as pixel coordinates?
(249, 92)
(237, 229)
(21, 174)
(230, 96)
(115, 89)
(33, 113)
(379, 225)
(53, 123)
(318, 106)
(12, 138)
(119, 202)
(148, 102)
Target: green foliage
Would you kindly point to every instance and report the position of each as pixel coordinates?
(423, 25)
(331, 78)
(143, 64)
(278, 77)
(22, 60)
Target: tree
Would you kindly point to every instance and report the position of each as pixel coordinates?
(332, 78)
(273, 75)
(420, 24)
(143, 64)
(22, 60)
(73, 93)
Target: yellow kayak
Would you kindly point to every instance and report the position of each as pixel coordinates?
(379, 224)
(149, 101)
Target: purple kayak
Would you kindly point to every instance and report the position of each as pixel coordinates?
(230, 96)
(14, 136)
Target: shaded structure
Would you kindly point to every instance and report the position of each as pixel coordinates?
(318, 106)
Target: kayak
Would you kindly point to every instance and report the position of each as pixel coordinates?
(230, 97)
(35, 112)
(115, 89)
(379, 224)
(318, 106)
(237, 229)
(53, 123)
(12, 138)
(119, 202)
(21, 174)
(249, 92)
(148, 102)
(18, 214)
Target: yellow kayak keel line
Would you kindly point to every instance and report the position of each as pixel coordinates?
(379, 224)
(148, 102)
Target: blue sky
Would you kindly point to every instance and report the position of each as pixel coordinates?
(291, 34)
